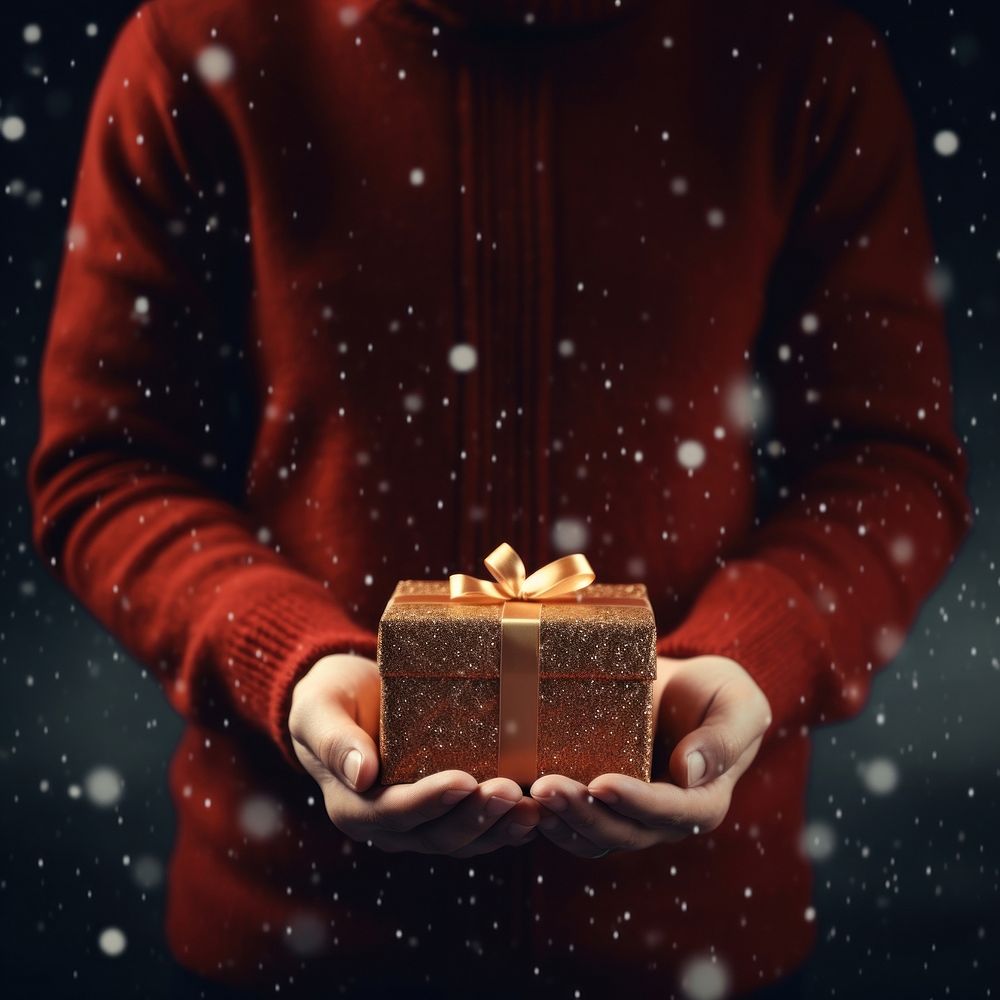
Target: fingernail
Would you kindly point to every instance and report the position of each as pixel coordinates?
(555, 802)
(697, 766)
(352, 766)
(454, 795)
(604, 794)
(495, 806)
(520, 829)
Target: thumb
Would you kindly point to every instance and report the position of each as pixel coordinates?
(349, 754)
(329, 742)
(734, 724)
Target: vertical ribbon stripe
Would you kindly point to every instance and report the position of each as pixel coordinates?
(517, 751)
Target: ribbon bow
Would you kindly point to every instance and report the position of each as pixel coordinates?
(561, 576)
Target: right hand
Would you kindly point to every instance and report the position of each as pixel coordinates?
(334, 722)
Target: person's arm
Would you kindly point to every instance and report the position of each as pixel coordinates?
(873, 501)
(127, 483)
(143, 351)
(789, 631)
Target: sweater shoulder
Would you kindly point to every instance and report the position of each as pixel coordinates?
(249, 30)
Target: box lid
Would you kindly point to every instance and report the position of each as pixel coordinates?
(576, 639)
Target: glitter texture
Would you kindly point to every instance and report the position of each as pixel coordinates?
(440, 669)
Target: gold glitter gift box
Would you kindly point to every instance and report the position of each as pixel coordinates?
(528, 676)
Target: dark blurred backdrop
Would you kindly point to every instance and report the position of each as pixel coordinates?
(904, 800)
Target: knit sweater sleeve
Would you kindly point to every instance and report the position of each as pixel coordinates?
(871, 498)
(126, 480)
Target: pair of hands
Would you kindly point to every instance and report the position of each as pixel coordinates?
(709, 712)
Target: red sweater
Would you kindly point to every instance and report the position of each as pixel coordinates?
(255, 420)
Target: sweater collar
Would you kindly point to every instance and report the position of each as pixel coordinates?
(526, 13)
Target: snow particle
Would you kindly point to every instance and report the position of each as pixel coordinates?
(704, 978)
(305, 934)
(679, 186)
(32, 34)
(112, 941)
(746, 405)
(569, 534)
(462, 358)
(215, 64)
(103, 786)
(417, 176)
(888, 642)
(691, 454)
(817, 840)
(141, 305)
(349, 16)
(880, 776)
(716, 218)
(810, 323)
(939, 284)
(635, 569)
(91, 30)
(12, 128)
(566, 348)
(946, 143)
(260, 817)
(901, 549)
(147, 872)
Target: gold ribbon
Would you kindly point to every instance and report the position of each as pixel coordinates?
(561, 576)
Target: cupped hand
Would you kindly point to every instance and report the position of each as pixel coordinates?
(711, 715)
(334, 721)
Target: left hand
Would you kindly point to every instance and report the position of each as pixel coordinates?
(713, 715)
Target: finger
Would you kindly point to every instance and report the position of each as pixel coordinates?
(588, 816)
(665, 807)
(395, 808)
(333, 721)
(516, 828)
(342, 747)
(553, 829)
(735, 722)
(474, 817)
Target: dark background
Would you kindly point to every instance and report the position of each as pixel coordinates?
(904, 799)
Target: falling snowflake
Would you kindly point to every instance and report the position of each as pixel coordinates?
(13, 128)
(112, 941)
(704, 978)
(691, 454)
(880, 775)
(103, 786)
(215, 64)
(569, 534)
(463, 358)
(946, 143)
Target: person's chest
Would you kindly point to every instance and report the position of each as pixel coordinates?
(506, 295)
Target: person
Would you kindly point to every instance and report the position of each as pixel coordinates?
(351, 293)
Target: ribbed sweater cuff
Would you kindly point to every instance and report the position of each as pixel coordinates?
(756, 615)
(274, 642)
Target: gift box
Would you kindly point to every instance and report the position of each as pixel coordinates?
(524, 676)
